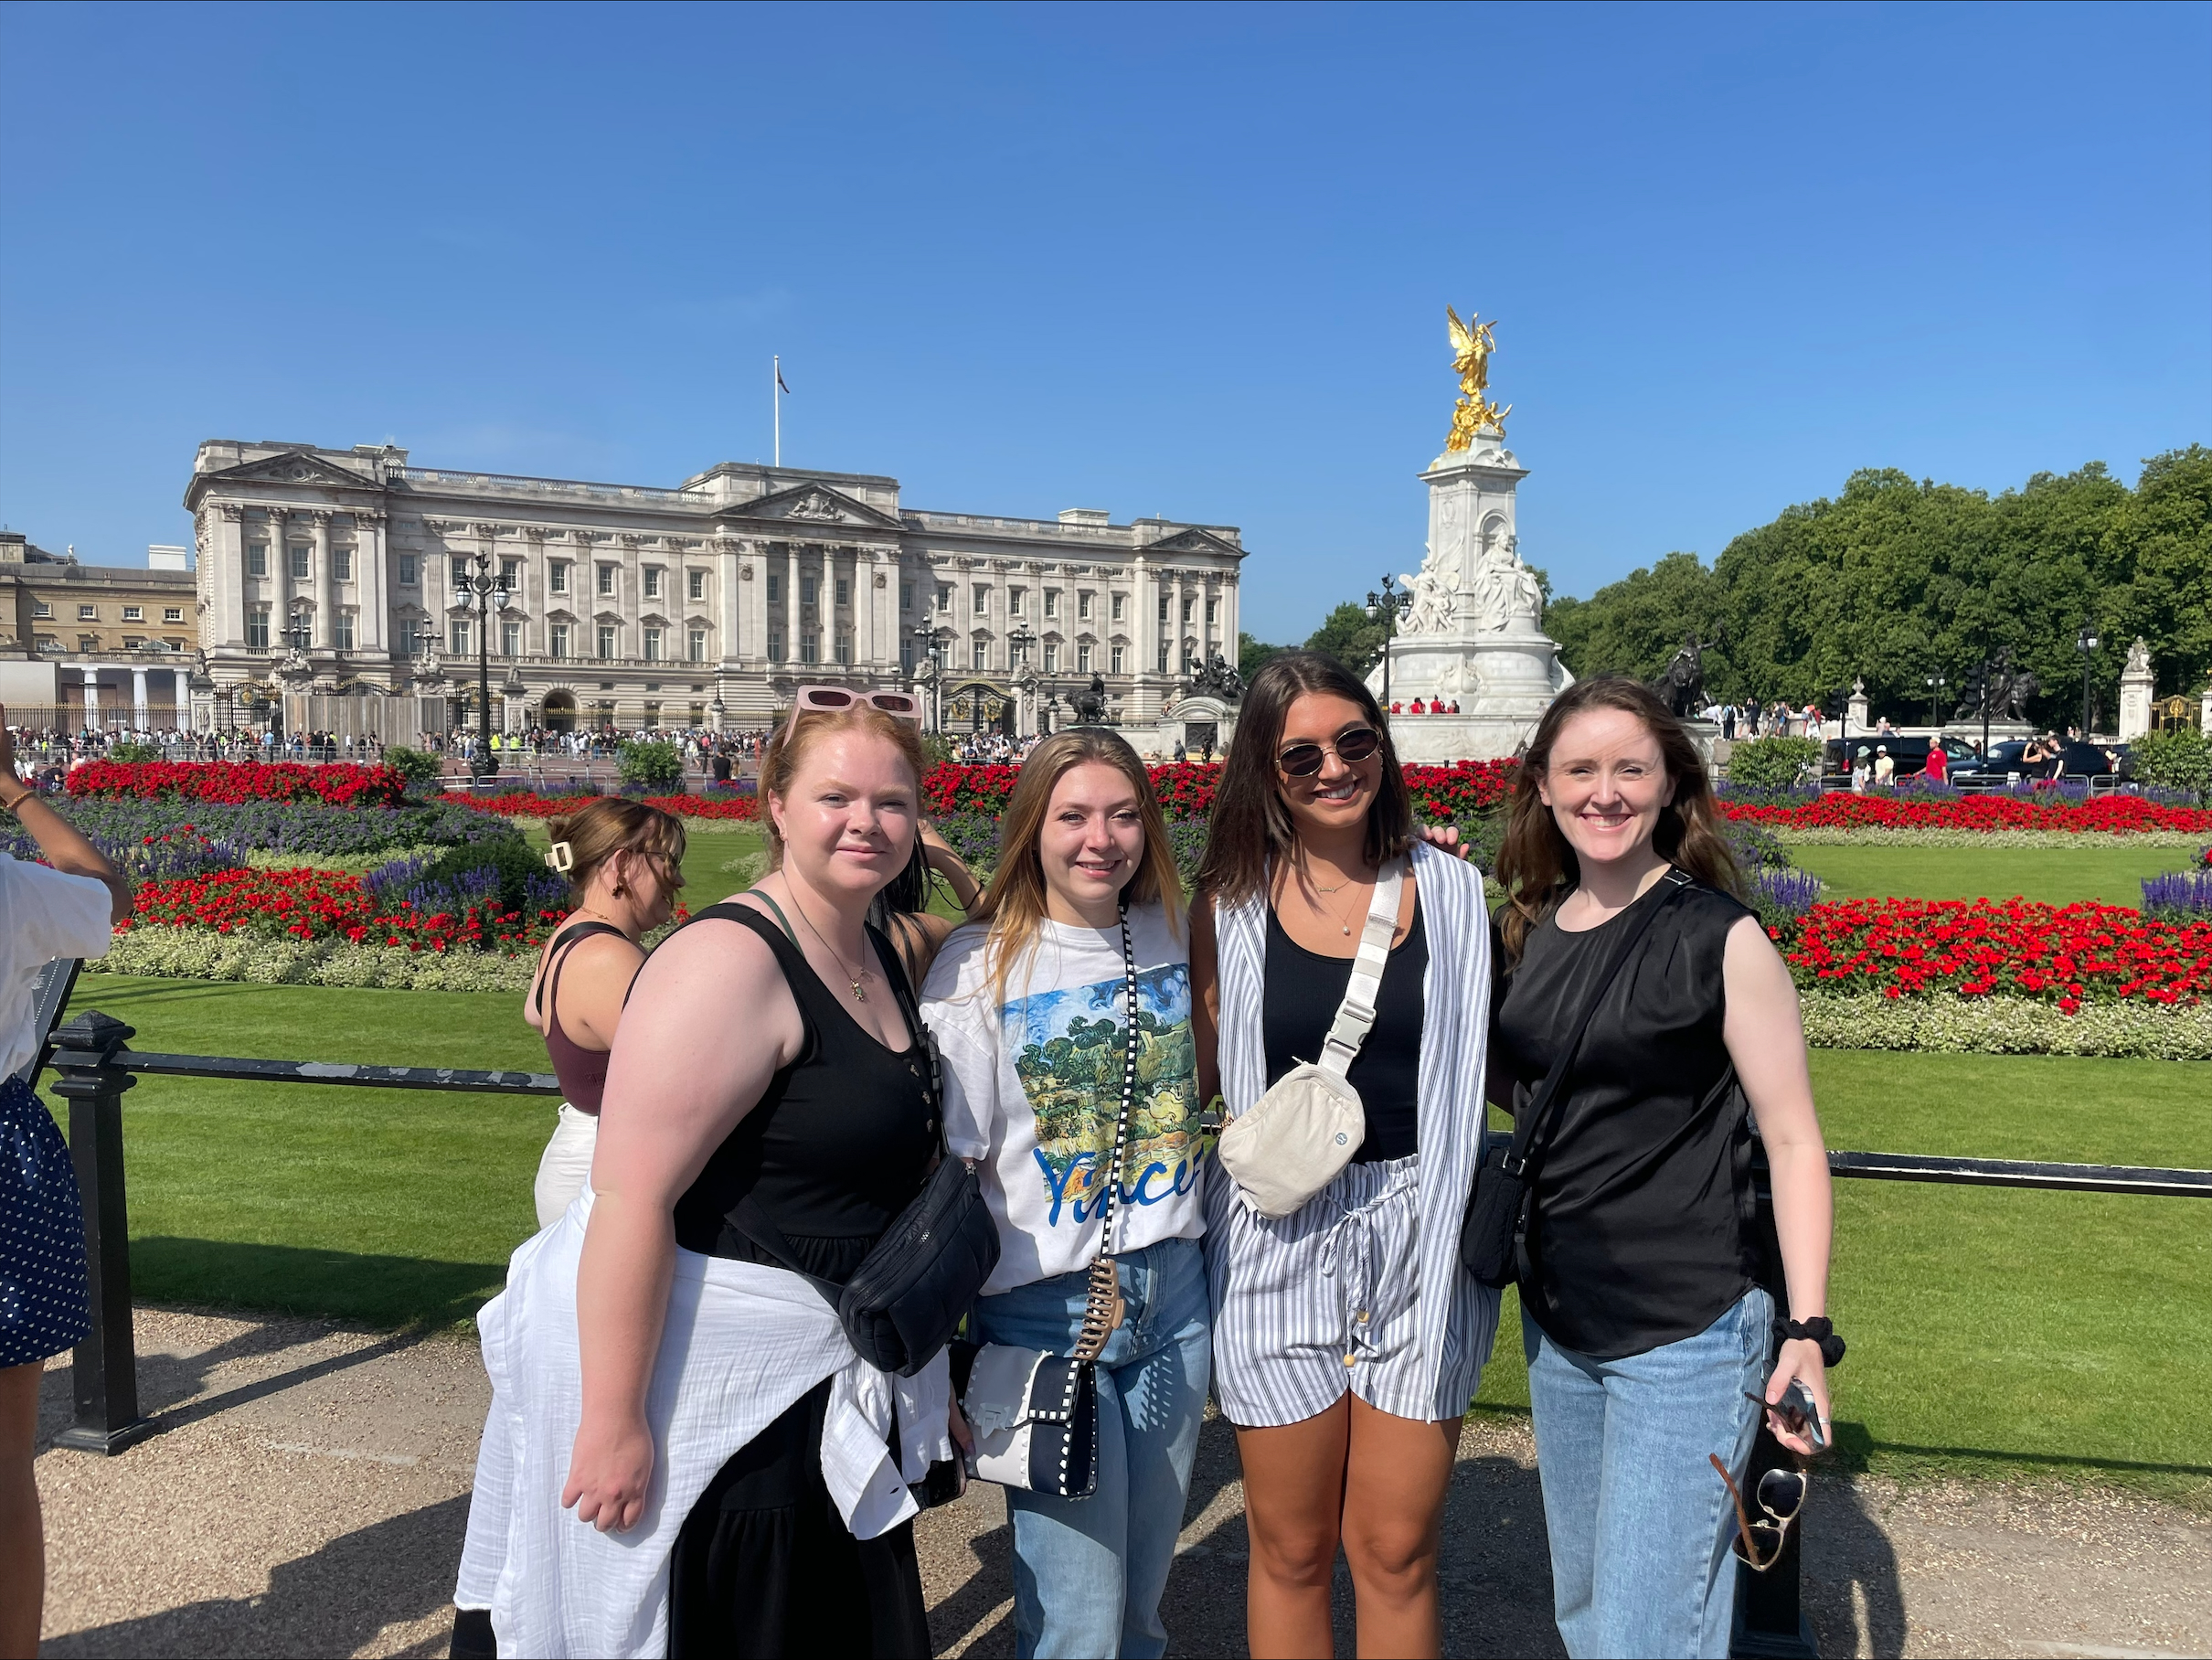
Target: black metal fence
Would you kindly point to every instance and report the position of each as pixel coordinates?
(96, 1066)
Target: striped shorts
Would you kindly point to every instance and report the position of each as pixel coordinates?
(1325, 1300)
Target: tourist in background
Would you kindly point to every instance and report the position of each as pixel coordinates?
(1087, 871)
(64, 908)
(1649, 1337)
(625, 865)
(1347, 1338)
(1938, 767)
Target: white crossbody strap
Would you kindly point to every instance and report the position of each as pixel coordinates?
(1355, 1014)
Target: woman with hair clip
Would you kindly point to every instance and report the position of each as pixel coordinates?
(1089, 1153)
(1644, 1004)
(1347, 1338)
(625, 865)
(661, 1364)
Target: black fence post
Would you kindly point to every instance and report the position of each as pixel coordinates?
(105, 1365)
(1771, 1621)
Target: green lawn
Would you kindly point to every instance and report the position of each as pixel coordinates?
(2111, 870)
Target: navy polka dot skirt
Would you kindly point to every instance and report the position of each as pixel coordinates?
(44, 1308)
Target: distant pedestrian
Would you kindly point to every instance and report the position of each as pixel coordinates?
(1938, 770)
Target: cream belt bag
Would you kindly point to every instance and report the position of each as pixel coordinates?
(1293, 1140)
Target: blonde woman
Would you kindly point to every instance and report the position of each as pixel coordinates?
(1029, 1007)
(624, 862)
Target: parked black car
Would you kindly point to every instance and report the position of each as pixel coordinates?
(1909, 753)
(2076, 760)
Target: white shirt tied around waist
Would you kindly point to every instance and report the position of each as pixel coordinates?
(740, 1345)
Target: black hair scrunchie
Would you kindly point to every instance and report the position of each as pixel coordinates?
(1815, 1330)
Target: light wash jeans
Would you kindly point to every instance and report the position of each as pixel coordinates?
(1088, 1572)
(1640, 1523)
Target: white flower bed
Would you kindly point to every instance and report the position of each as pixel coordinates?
(197, 953)
(1831, 836)
(2007, 1026)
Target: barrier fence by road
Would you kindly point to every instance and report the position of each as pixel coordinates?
(96, 1066)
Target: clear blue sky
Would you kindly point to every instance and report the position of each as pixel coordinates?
(1173, 260)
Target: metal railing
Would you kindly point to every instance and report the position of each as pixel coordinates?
(96, 1066)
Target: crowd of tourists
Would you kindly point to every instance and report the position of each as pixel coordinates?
(847, 1205)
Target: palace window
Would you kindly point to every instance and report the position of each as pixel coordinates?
(1188, 660)
(343, 623)
(906, 656)
(945, 597)
(407, 570)
(459, 633)
(257, 559)
(698, 714)
(606, 642)
(982, 654)
(42, 609)
(906, 596)
(510, 575)
(341, 564)
(1084, 606)
(173, 613)
(652, 645)
(134, 613)
(88, 614)
(557, 639)
(1052, 602)
(652, 581)
(88, 643)
(130, 643)
(982, 600)
(1162, 656)
(1213, 611)
(1082, 659)
(845, 592)
(698, 584)
(775, 589)
(557, 577)
(810, 648)
(1015, 598)
(1052, 656)
(457, 566)
(806, 590)
(1115, 657)
(606, 581)
(1188, 604)
(775, 645)
(698, 646)
(1163, 605)
(510, 639)
(298, 561)
(1119, 601)
(845, 648)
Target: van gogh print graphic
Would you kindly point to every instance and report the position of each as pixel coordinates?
(1067, 1048)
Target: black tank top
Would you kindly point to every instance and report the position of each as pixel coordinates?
(841, 1140)
(1299, 998)
(1642, 1230)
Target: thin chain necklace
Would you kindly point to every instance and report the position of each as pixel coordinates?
(1344, 922)
(855, 975)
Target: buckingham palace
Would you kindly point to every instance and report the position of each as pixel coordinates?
(339, 577)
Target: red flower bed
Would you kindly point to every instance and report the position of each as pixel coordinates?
(522, 804)
(1185, 790)
(2104, 816)
(319, 904)
(2068, 954)
(336, 784)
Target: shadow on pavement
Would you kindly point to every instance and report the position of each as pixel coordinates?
(333, 1601)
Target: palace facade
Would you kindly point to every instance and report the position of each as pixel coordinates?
(330, 573)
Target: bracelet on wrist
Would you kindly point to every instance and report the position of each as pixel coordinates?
(1816, 1330)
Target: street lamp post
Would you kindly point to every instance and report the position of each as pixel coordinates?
(933, 647)
(1018, 643)
(2085, 643)
(1384, 607)
(1935, 692)
(487, 595)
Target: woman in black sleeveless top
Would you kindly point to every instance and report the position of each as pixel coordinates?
(766, 1080)
(1649, 1335)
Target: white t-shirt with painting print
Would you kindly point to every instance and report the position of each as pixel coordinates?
(1033, 1086)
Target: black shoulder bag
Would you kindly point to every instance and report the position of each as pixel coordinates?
(917, 1283)
(1493, 1237)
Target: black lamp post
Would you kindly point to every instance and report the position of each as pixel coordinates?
(1018, 646)
(933, 647)
(1384, 607)
(1936, 684)
(2086, 644)
(487, 595)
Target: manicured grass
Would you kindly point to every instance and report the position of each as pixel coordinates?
(2104, 869)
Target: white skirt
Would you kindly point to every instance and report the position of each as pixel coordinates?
(1325, 1300)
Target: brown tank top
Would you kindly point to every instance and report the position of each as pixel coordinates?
(582, 1072)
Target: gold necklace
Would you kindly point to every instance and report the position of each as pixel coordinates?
(855, 975)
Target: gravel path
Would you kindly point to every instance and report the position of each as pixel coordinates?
(308, 1494)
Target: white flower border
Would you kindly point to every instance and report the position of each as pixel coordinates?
(1827, 835)
(2005, 1026)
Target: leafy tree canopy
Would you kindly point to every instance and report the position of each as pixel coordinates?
(1349, 636)
(1251, 654)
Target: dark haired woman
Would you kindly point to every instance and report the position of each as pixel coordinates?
(1347, 1338)
(624, 862)
(1649, 1338)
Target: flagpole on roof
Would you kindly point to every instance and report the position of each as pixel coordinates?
(775, 399)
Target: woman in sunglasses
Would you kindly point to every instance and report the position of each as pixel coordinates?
(1347, 1338)
(1652, 1344)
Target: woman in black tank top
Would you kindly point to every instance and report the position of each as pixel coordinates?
(767, 1079)
(1650, 1334)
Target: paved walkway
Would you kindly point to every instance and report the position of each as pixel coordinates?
(308, 1491)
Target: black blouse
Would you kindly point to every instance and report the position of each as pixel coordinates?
(1299, 1000)
(1642, 1230)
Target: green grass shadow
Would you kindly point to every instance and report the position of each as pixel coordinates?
(387, 1291)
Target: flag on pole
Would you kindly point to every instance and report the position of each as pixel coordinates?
(780, 386)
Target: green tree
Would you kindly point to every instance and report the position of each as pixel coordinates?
(1251, 654)
(1349, 636)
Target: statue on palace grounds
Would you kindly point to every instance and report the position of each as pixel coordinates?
(1505, 590)
(1682, 686)
(1472, 344)
(1215, 679)
(1089, 704)
(1998, 690)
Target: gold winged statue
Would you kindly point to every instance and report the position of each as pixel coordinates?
(1471, 347)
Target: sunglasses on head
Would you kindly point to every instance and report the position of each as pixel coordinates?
(830, 699)
(1353, 744)
(1780, 1495)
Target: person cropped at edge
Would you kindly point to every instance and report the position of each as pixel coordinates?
(766, 1065)
(624, 862)
(64, 908)
(1642, 1319)
(1024, 1001)
(1347, 1338)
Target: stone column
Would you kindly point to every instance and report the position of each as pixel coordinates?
(138, 697)
(225, 586)
(372, 625)
(2204, 711)
(280, 581)
(791, 614)
(326, 586)
(91, 698)
(181, 698)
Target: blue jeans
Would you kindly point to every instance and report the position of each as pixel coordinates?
(1088, 1572)
(1640, 1522)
